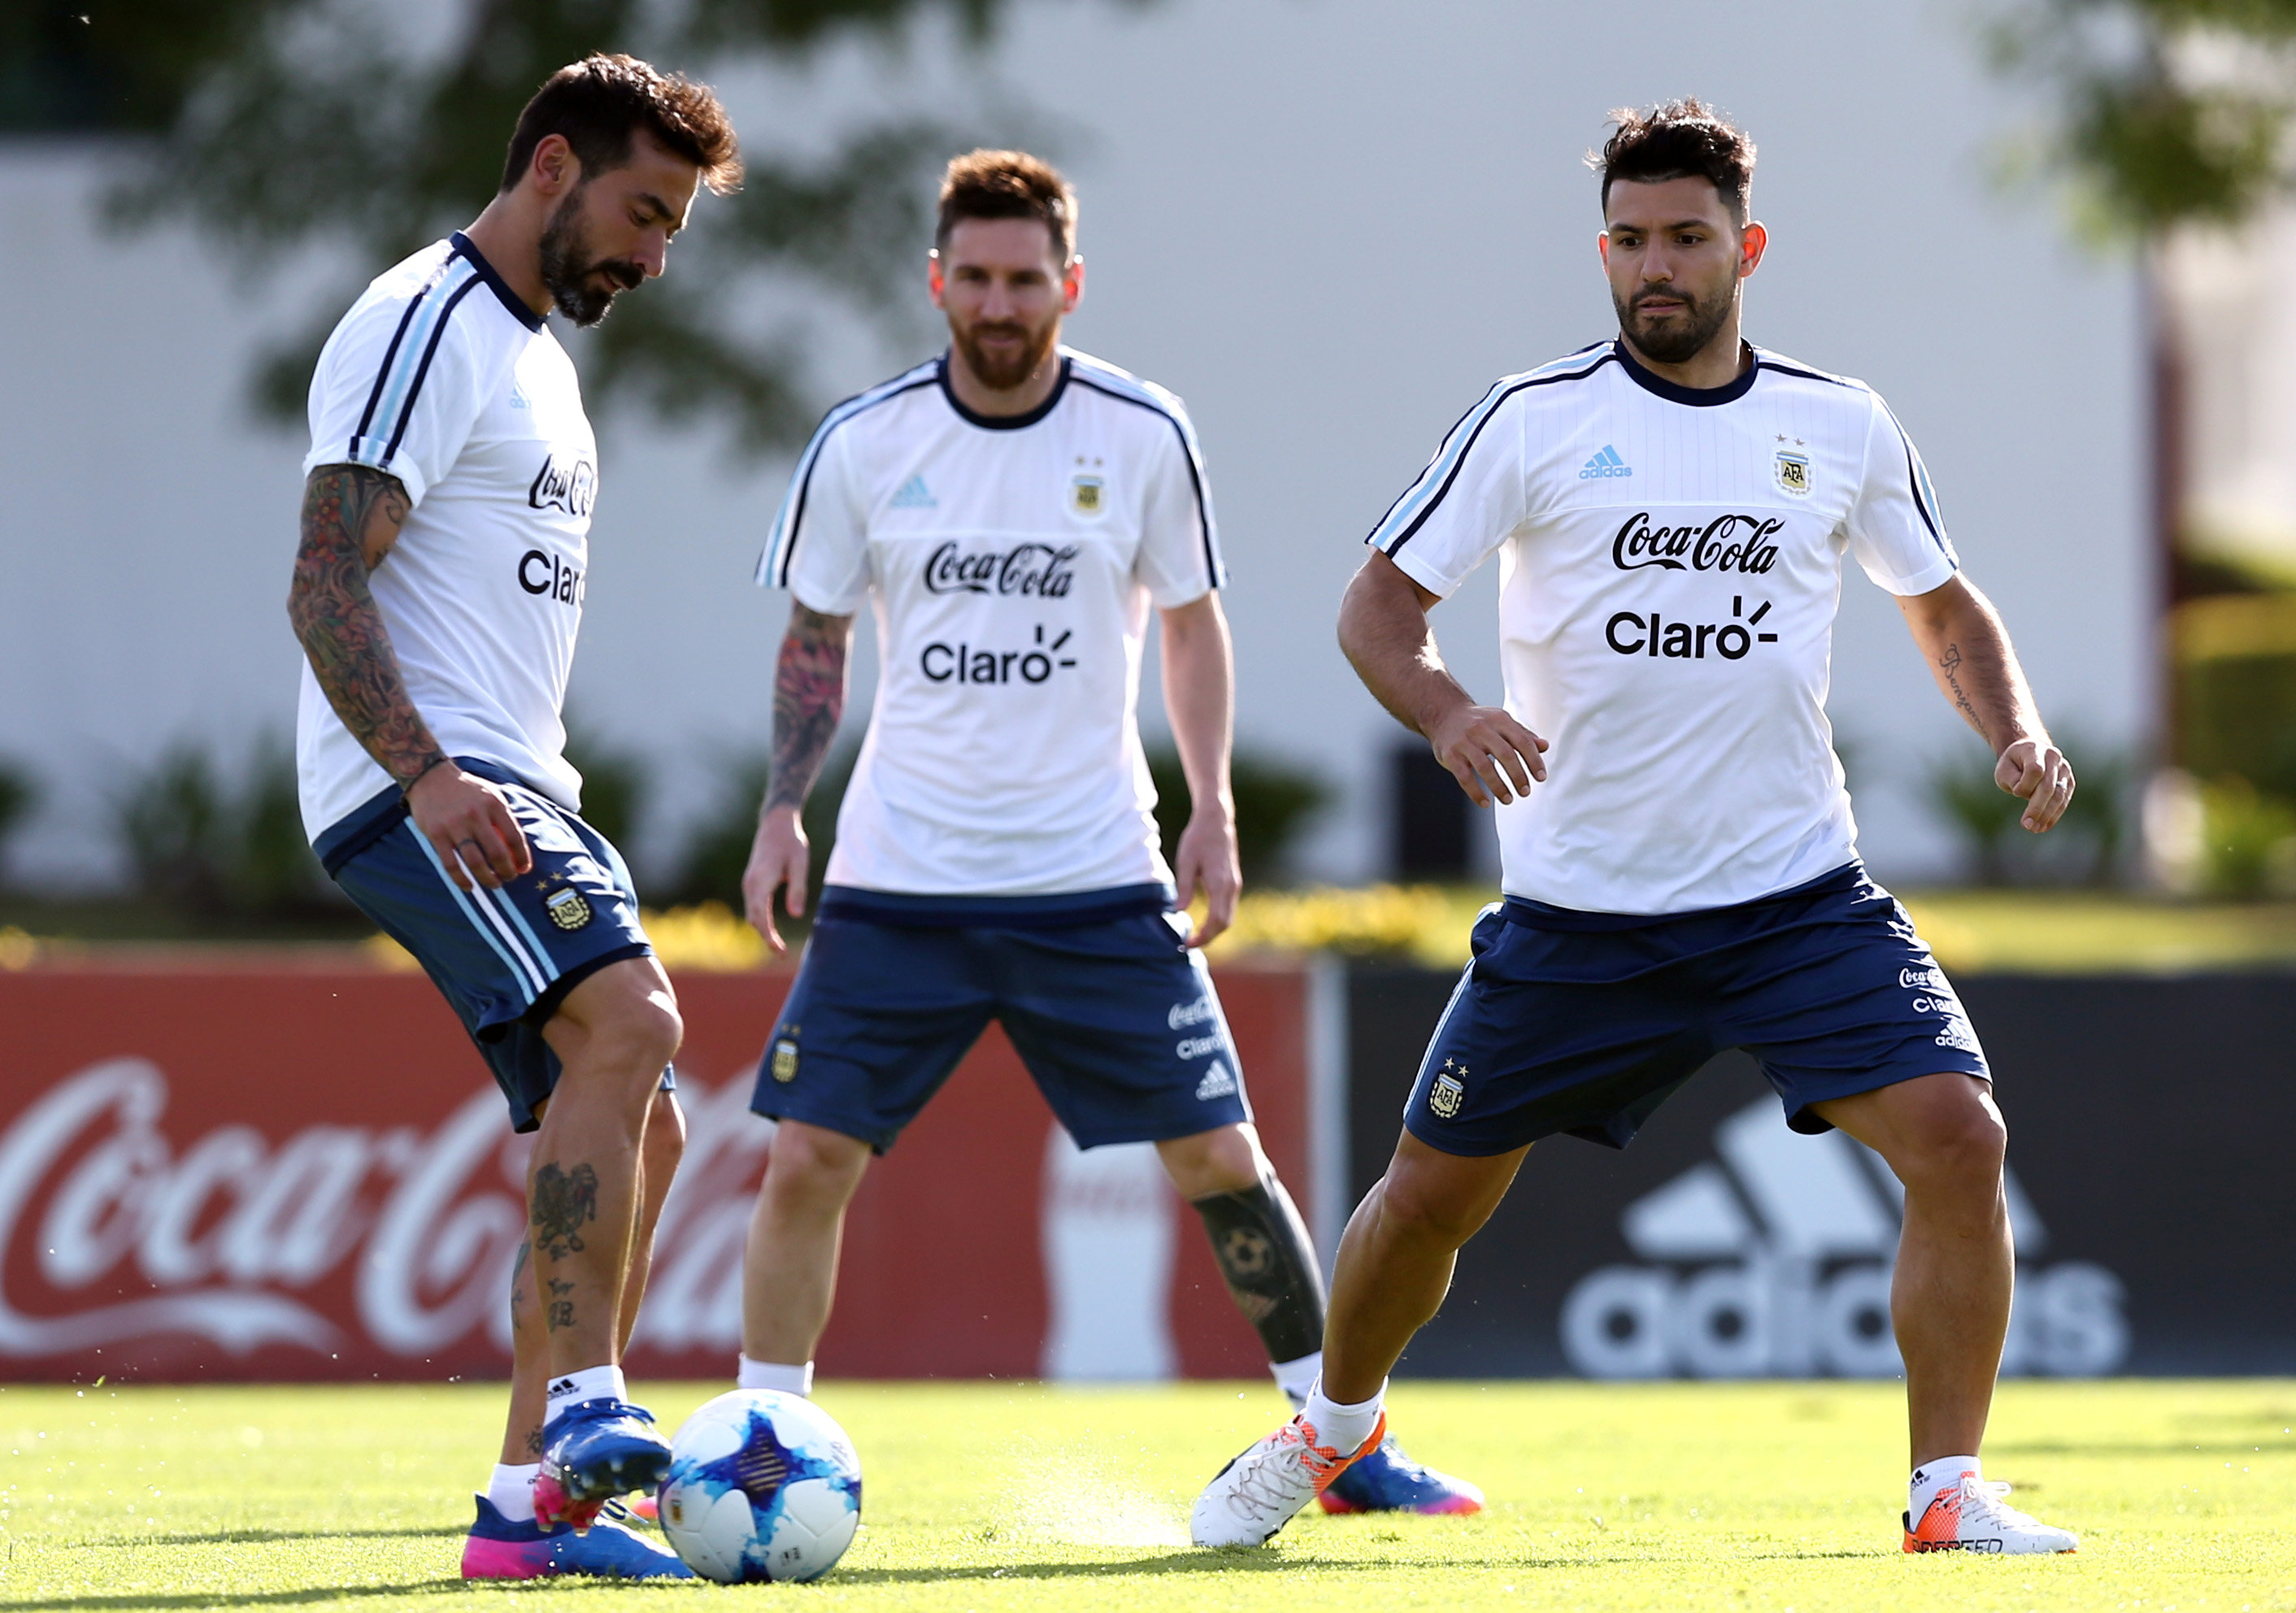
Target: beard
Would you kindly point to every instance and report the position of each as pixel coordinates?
(1004, 375)
(1675, 338)
(569, 270)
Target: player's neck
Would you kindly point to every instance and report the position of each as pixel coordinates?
(994, 402)
(1717, 364)
(511, 245)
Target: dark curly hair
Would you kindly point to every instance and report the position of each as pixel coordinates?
(1678, 140)
(598, 105)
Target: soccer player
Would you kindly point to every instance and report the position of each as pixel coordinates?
(436, 592)
(1671, 509)
(1012, 510)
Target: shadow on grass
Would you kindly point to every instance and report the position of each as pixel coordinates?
(2136, 1448)
(248, 1599)
(1240, 1561)
(236, 1538)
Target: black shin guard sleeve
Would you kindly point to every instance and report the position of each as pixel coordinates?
(1263, 1251)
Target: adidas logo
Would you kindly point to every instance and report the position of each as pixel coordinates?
(1774, 1261)
(914, 494)
(1218, 1083)
(1605, 463)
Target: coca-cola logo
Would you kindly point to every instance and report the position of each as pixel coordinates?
(226, 1235)
(562, 484)
(1727, 542)
(1029, 570)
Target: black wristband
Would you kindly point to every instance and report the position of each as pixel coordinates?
(438, 758)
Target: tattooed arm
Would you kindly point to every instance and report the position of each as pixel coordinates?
(351, 519)
(808, 700)
(1969, 653)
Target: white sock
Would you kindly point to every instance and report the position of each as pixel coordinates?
(774, 1375)
(591, 1383)
(1343, 1427)
(1296, 1378)
(511, 1489)
(1932, 1479)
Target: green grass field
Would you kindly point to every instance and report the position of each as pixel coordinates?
(994, 1496)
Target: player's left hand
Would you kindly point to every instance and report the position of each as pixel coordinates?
(2036, 773)
(1208, 862)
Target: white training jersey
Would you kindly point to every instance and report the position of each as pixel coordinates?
(443, 377)
(1011, 562)
(1670, 568)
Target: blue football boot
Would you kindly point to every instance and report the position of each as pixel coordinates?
(499, 1549)
(596, 1450)
(1383, 1480)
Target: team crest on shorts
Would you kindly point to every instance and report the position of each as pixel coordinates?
(1450, 1091)
(785, 1061)
(1088, 495)
(566, 908)
(1792, 472)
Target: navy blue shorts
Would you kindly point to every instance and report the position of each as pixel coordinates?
(503, 959)
(1584, 1023)
(1115, 1019)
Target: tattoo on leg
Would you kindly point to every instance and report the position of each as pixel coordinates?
(563, 1202)
(562, 1309)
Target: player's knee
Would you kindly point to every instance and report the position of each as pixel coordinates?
(1964, 1142)
(810, 1169)
(1424, 1214)
(665, 1138)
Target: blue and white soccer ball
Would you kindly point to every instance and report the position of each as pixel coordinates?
(761, 1485)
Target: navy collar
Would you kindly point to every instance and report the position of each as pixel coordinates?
(510, 299)
(1000, 422)
(1697, 397)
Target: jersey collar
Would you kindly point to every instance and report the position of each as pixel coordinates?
(500, 287)
(1001, 422)
(1697, 397)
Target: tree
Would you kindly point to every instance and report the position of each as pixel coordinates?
(2169, 113)
(270, 125)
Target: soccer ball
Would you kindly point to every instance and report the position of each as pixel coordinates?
(761, 1485)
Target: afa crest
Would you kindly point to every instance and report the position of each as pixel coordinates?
(1449, 1090)
(1792, 470)
(566, 908)
(785, 1061)
(1087, 496)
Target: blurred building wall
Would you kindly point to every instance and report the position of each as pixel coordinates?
(1328, 225)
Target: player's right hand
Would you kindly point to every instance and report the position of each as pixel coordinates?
(1486, 750)
(781, 858)
(468, 822)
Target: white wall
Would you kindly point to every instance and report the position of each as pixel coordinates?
(1328, 225)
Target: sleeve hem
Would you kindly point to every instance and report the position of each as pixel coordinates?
(403, 472)
(1425, 576)
(1942, 571)
(802, 593)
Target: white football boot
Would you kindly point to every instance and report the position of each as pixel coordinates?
(1266, 1487)
(1975, 1516)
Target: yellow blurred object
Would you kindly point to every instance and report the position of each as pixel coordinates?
(18, 948)
(1424, 923)
(705, 940)
(389, 953)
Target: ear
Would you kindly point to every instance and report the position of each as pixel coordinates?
(1071, 285)
(1753, 240)
(554, 169)
(934, 282)
(1602, 247)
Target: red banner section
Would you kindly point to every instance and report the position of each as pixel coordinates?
(300, 1174)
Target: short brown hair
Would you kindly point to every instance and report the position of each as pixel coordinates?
(1008, 185)
(598, 105)
(1678, 140)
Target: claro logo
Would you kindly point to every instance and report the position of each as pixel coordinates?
(543, 573)
(1727, 542)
